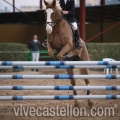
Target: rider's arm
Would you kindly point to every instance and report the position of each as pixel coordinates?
(72, 8)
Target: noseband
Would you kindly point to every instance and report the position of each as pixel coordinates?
(56, 21)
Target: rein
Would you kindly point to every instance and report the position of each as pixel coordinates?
(52, 24)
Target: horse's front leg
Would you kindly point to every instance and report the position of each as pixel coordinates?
(63, 51)
(50, 50)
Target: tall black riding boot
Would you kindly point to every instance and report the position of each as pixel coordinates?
(78, 42)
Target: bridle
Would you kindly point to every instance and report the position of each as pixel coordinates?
(56, 21)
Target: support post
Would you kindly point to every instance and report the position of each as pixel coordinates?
(82, 20)
(102, 2)
(102, 20)
(13, 6)
(41, 5)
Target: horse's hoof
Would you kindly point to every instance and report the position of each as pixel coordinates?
(51, 54)
(76, 104)
(59, 57)
(90, 103)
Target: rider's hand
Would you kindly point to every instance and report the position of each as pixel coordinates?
(65, 12)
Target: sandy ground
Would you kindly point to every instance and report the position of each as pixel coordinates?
(7, 107)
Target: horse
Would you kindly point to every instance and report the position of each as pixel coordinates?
(60, 38)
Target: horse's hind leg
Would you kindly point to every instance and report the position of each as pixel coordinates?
(86, 72)
(71, 72)
(85, 57)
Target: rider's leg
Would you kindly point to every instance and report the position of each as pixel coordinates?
(78, 42)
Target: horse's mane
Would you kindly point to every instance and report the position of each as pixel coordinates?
(58, 7)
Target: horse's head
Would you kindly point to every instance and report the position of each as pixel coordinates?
(53, 14)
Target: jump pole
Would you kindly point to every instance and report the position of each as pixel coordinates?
(62, 67)
(42, 63)
(60, 97)
(59, 87)
(63, 76)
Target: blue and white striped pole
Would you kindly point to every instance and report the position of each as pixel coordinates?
(59, 87)
(65, 76)
(62, 67)
(41, 63)
(60, 97)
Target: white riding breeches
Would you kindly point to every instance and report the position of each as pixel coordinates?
(74, 25)
(35, 56)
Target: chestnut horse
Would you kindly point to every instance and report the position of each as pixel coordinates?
(59, 37)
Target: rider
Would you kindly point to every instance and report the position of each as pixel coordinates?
(68, 9)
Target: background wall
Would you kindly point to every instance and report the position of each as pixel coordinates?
(110, 36)
(23, 33)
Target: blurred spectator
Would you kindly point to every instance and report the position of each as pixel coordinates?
(34, 46)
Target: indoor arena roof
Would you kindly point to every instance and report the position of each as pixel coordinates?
(93, 14)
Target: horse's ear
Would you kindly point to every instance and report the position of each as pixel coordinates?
(54, 3)
(46, 3)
